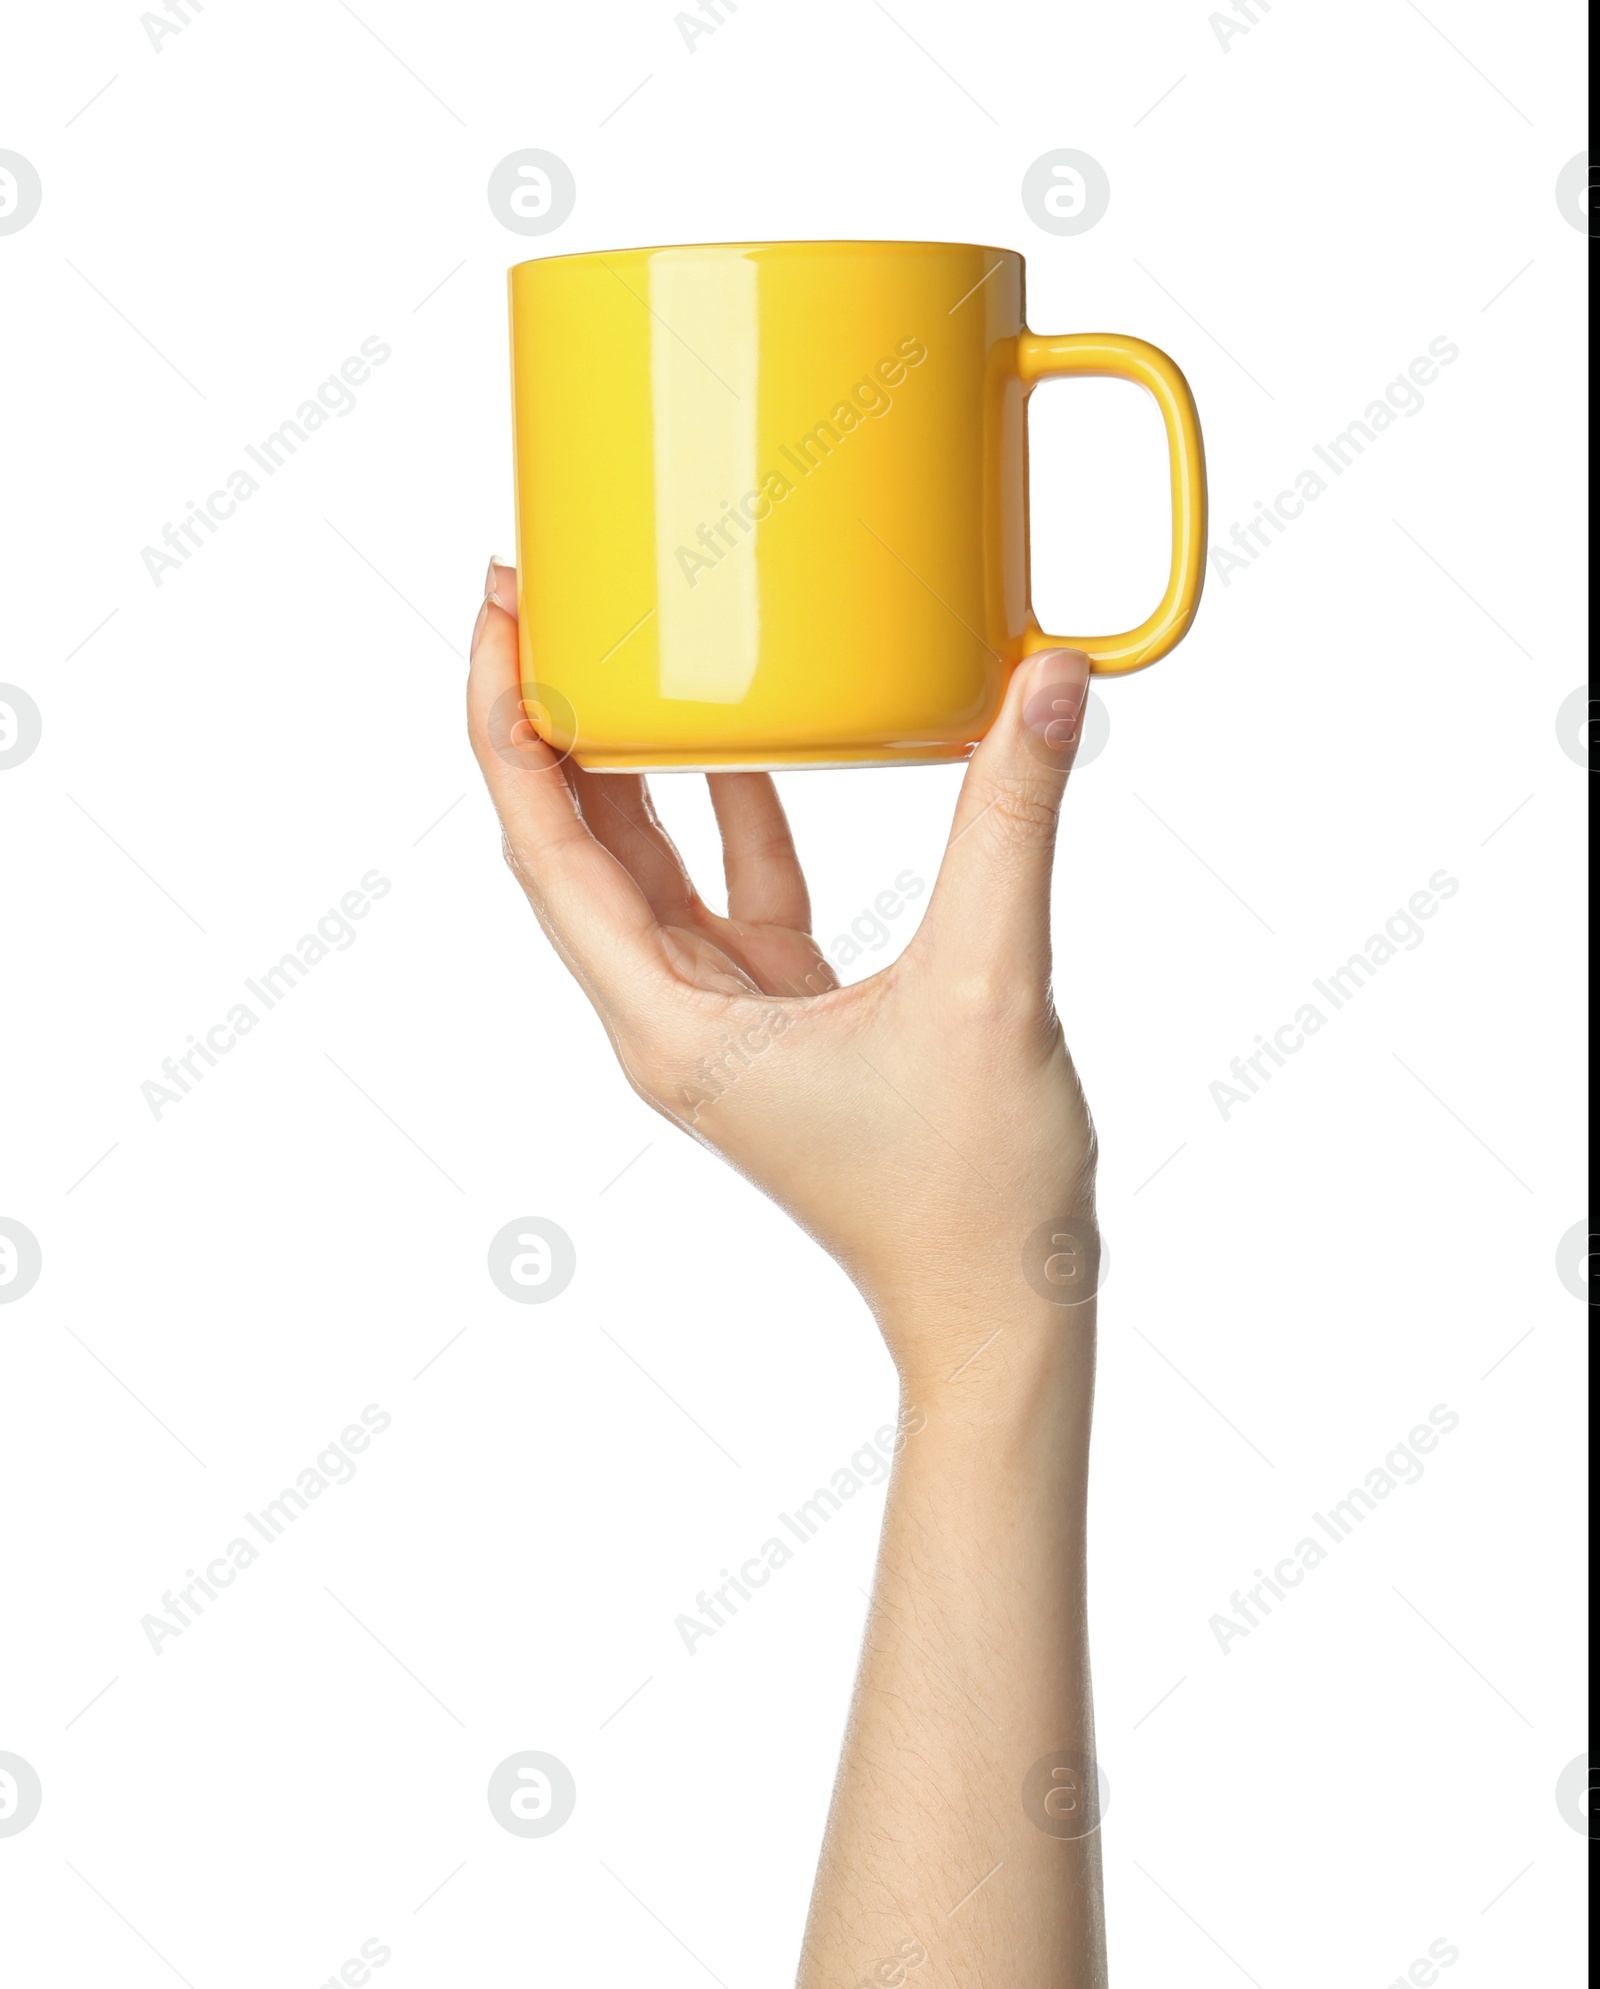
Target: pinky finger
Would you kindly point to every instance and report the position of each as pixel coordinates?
(594, 910)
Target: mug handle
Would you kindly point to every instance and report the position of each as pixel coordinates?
(1109, 355)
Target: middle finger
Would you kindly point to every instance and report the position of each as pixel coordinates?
(620, 815)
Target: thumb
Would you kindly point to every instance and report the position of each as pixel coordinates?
(992, 898)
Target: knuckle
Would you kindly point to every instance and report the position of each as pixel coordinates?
(993, 1001)
(516, 861)
(667, 1076)
(511, 856)
(483, 728)
(1023, 808)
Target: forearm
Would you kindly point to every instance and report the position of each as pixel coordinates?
(963, 1826)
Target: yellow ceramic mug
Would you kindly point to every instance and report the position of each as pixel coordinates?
(772, 499)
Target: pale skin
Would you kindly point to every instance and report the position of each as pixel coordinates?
(927, 1128)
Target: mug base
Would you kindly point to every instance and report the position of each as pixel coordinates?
(789, 759)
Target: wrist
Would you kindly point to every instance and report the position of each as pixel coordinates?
(1013, 1384)
(990, 1332)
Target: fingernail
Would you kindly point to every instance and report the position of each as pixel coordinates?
(500, 585)
(1057, 691)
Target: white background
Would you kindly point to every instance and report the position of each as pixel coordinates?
(226, 755)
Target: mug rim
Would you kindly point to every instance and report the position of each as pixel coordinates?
(797, 242)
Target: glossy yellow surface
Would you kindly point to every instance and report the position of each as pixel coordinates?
(772, 499)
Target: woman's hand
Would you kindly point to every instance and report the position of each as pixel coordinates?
(926, 1126)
